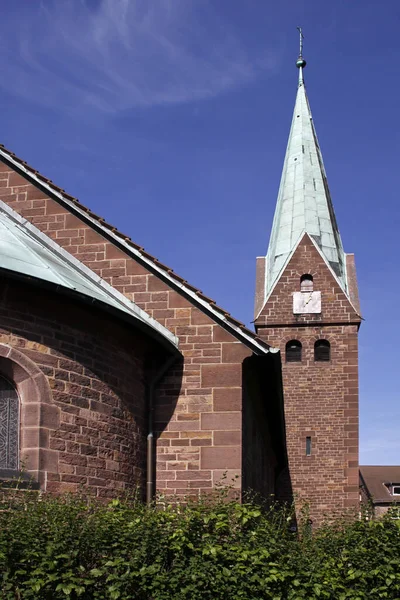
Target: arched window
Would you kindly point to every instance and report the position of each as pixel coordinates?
(306, 283)
(293, 351)
(322, 350)
(9, 426)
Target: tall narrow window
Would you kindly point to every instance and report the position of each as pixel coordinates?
(322, 350)
(9, 426)
(293, 351)
(308, 446)
(306, 283)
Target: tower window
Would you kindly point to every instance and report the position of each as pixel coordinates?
(306, 283)
(293, 351)
(9, 426)
(308, 446)
(322, 350)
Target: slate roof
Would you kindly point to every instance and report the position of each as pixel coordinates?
(375, 478)
(304, 203)
(25, 250)
(209, 306)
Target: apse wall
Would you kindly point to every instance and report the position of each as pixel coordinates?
(79, 374)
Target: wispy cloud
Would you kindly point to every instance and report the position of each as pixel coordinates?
(372, 445)
(113, 55)
(380, 444)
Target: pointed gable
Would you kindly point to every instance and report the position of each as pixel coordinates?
(336, 307)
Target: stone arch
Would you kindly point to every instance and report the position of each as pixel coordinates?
(329, 338)
(288, 337)
(322, 336)
(38, 413)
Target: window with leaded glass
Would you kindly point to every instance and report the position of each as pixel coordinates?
(9, 426)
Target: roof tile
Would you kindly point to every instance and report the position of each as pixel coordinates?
(375, 477)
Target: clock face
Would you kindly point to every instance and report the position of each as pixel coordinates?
(306, 303)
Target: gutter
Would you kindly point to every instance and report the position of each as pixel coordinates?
(150, 459)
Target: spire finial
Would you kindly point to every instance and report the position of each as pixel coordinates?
(301, 63)
(299, 29)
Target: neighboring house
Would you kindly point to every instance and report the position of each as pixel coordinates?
(380, 485)
(116, 372)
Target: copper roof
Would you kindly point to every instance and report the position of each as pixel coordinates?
(28, 252)
(238, 329)
(304, 203)
(375, 479)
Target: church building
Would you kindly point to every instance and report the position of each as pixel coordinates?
(117, 373)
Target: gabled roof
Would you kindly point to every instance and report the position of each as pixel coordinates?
(26, 251)
(218, 314)
(304, 203)
(375, 477)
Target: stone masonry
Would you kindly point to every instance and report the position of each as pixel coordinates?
(321, 398)
(199, 402)
(92, 431)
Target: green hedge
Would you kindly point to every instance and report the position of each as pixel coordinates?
(74, 548)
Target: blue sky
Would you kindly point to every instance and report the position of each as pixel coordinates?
(170, 118)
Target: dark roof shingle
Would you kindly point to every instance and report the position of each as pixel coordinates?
(375, 478)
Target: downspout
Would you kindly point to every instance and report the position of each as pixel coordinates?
(151, 386)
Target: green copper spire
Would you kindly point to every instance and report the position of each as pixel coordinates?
(304, 202)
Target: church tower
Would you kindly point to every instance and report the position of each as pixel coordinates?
(307, 305)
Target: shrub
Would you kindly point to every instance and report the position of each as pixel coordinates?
(73, 547)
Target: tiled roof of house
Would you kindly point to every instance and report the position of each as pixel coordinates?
(238, 329)
(376, 478)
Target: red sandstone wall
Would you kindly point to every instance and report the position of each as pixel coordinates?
(95, 371)
(202, 438)
(321, 398)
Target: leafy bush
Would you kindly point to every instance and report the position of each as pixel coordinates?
(73, 547)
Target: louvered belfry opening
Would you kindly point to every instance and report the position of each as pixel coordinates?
(322, 351)
(9, 426)
(306, 283)
(293, 351)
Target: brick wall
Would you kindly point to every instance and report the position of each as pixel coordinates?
(321, 398)
(199, 403)
(200, 436)
(95, 370)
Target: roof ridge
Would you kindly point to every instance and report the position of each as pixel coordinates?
(168, 272)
